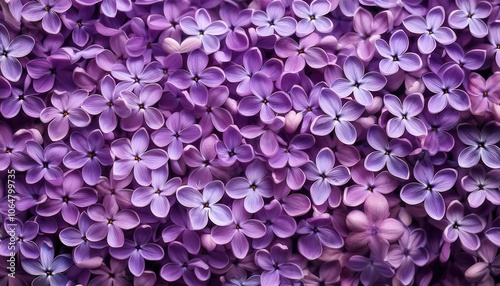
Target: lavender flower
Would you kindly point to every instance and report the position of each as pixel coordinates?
(47, 11)
(481, 186)
(470, 14)
(462, 227)
(396, 56)
(11, 50)
(276, 265)
(313, 17)
(202, 27)
(48, 269)
(481, 145)
(273, 21)
(406, 115)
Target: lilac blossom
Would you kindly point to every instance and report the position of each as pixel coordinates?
(109, 104)
(470, 14)
(157, 195)
(406, 115)
(237, 20)
(313, 17)
(430, 29)
(471, 60)
(232, 149)
(25, 233)
(138, 250)
(481, 186)
(484, 94)
(306, 105)
(214, 114)
(338, 117)
(481, 145)
(202, 27)
(142, 110)
(264, 101)
(198, 77)
(46, 162)
(205, 206)
(462, 227)
(305, 52)
(89, 154)
(429, 188)
(81, 23)
(317, 232)
(357, 82)
(67, 198)
(253, 188)
(324, 175)
(48, 269)
(65, 112)
(50, 72)
(373, 267)
(268, 142)
(373, 227)
(12, 149)
(445, 86)
(237, 232)
(180, 129)
(438, 138)
(387, 153)
(276, 222)
(273, 20)
(396, 56)
(410, 252)
(193, 271)
(484, 270)
(48, 11)
(26, 99)
(276, 265)
(110, 224)
(108, 275)
(135, 74)
(135, 156)
(19, 47)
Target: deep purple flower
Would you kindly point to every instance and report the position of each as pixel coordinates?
(253, 188)
(66, 111)
(139, 250)
(307, 106)
(113, 192)
(373, 227)
(27, 100)
(50, 72)
(12, 149)
(276, 265)
(193, 271)
(387, 153)
(317, 232)
(109, 276)
(395, 55)
(134, 155)
(273, 20)
(182, 230)
(484, 94)
(25, 233)
(84, 252)
(429, 187)
(338, 117)
(484, 270)
(142, 108)
(462, 227)
(472, 60)
(373, 267)
(237, 232)
(205, 206)
(406, 115)
(482, 186)
(198, 77)
(470, 14)
(237, 20)
(357, 82)
(89, 154)
(293, 154)
(324, 175)
(47, 11)
(108, 105)
(215, 114)
(30, 195)
(268, 142)
(409, 252)
(445, 86)
(481, 145)
(313, 17)
(204, 162)
(180, 129)
(438, 139)
(19, 47)
(202, 27)
(157, 195)
(298, 55)
(430, 29)
(46, 162)
(48, 269)
(109, 7)
(232, 149)
(173, 11)
(81, 23)
(110, 223)
(142, 44)
(67, 198)
(264, 101)
(277, 223)
(494, 38)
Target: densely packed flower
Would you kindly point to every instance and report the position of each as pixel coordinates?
(249, 142)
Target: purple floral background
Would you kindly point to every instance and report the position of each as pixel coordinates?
(264, 142)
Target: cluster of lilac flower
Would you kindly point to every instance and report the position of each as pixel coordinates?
(264, 142)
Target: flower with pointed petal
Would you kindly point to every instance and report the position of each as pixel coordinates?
(48, 269)
(46, 162)
(19, 47)
(273, 20)
(481, 145)
(232, 149)
(396, 56)
(276, 265)
(48, 11)
(406, 115)
(193, 271)
(317, 232)
(463, 227)
(202, 27)
(482, 186)
(313, 17)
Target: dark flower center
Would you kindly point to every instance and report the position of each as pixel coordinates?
(404, 116)
(312, 17)
(387, 152)
(395, 58)
(470, 15)
(201, 32)
(90, 154)
(4, 53)
(149, 45)
(137, 247)
(429, 187)
(46, 8)
(53, 71)
(174, 24)
(480, 145)
(309, 108)
(206, 205)
(158, 192)
(485, 94)
(136, 79)
(112, 191)
(110, 221)
(45, 164)
(498, 46)
(315, 230)
(110, 103)
(209, 109)
(323, 176)
(430, 32)
(446, 91)
(206, 162)
(65, 199)
(65, 113)
(196, 79)
(238, 226)
(165, 71)
(48, 272)
(455, 225)
(21, 97)
(137, 158)
(253, 186)
(20, 239)
(271, 23)
(480, 187)
(265, 101)
(370, 188)
(231, 153)
(141, 106)
(301, 51)
(276, 266)
(79, 23)
(356, 84)
(434, 128)
(85, 238)
(8, 150)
